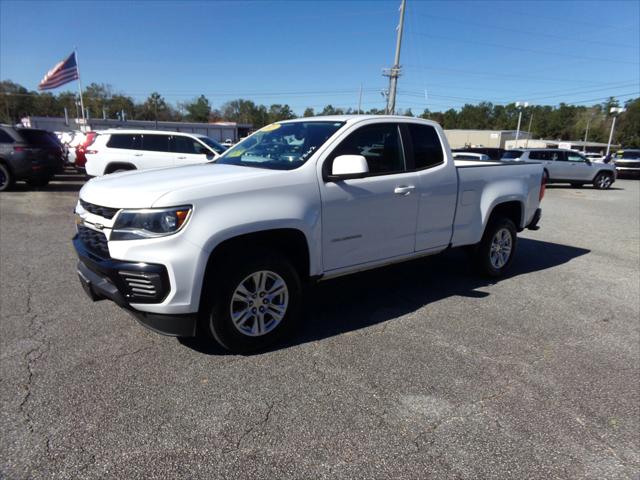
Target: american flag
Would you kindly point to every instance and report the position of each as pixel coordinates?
(64, 72)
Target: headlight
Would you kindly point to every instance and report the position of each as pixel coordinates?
(149, 223)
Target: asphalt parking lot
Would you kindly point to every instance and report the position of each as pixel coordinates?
(420, 370)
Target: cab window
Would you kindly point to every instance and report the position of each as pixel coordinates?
(380, 144)
(427, 149)
(575, 157)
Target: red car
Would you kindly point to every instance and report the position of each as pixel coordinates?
(81, 159)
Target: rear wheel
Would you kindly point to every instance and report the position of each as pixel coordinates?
(603, 181)
(6, 178)
(253, 301)
(496, 250)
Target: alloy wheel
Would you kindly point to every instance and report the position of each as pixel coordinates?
(259, 303)
(501, 246)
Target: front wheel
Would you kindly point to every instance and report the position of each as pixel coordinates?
(6, 178)
(496, 250)
(254, 302)
(602, 181)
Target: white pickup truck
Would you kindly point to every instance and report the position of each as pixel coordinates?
(223, 249)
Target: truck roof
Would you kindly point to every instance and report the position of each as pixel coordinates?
(358, 118)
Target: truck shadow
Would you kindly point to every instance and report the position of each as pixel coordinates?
(365, 299)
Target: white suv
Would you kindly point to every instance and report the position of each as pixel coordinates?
(566, 166)
(119, 150)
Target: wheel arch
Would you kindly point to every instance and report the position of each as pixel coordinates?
(512, 209)
(113, 166)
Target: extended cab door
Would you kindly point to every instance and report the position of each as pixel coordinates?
(372, 218)
(437, 188)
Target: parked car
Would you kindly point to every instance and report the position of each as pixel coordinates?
(81, 150)
(119, 150)
(470, 156)
(566, 166)
(222, 249)
(491, 152)
(28, 154)
(594, 157)
(628, 161)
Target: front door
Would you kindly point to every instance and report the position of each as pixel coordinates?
(579, 169)
(372, 218)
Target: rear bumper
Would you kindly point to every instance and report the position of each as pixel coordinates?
(103, 279)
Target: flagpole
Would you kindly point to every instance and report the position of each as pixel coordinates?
(84, 122)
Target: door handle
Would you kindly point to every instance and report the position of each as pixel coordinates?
(181, 158)
(137, 154)
(403, 189)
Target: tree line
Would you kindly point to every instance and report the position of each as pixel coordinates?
(564, 122)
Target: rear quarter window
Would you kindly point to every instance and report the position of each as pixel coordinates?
(5, 137)
(126, 141)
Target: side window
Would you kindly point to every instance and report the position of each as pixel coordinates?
(379, 144)
(5, 137)
(122, 140)
(557, 156)
(182, 144)
(155, 143)
(427, 149)
(574, 157)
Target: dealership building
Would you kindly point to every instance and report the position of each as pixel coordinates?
(482, 138)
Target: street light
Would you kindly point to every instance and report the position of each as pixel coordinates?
(615, 111)
(520, 106)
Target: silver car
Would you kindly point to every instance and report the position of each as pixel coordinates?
(567, 166)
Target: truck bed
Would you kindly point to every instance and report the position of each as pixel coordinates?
(483, 184)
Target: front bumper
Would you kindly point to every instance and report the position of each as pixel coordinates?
(131, 282)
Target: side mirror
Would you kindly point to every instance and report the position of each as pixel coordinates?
(348, 166)
(588, 162)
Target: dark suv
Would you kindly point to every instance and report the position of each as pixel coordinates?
(28, 154)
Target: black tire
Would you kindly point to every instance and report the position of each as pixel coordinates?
(602, 181)
(577, 185)
(216, 322)
(483, 251)
(6, 178)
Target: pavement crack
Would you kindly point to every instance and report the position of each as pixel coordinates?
(259, 425)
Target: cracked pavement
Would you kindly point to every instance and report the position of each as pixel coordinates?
(420, 370)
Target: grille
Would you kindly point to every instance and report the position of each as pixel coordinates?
(142, 285)
(93, 241)
(628, 164)
(104, 212)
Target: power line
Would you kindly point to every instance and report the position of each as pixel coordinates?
(528, 50)
(525, 32)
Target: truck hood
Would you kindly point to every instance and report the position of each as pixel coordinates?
(141, 189)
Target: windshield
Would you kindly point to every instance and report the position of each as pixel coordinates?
(215, 146)
(512, 154)
(630, 155)
(281, 146)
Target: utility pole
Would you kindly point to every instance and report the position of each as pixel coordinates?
(586, 135)
(615, 111)
(394, 72)
(155, 106)
(520, 106)
(529, 130)
(360, 99)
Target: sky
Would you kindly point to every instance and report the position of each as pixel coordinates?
(310, 54)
